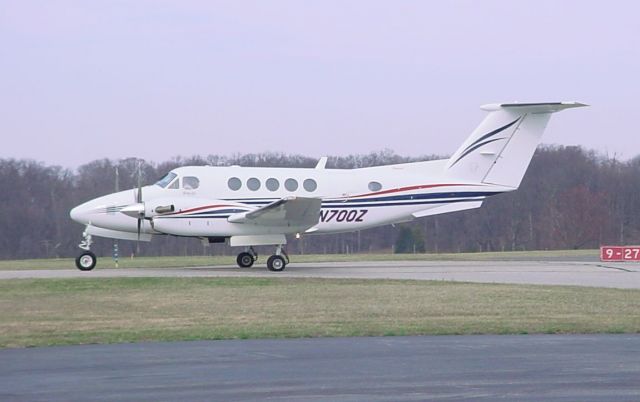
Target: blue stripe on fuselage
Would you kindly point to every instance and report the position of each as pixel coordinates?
(408, 197)
(404, 197)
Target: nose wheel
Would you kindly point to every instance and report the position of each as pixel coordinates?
(87, 260)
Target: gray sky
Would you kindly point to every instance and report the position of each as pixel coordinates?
(155, 79)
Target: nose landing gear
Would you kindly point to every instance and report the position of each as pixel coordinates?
(87, 260)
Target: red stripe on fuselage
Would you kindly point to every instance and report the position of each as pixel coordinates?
(409, 188)
(200, 209)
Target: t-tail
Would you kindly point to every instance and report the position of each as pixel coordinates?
(499, 151)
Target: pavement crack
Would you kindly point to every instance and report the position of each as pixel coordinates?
(618, 268)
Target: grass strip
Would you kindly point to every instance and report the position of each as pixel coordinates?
(40, 312)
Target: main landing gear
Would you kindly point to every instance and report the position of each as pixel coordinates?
(247, 258)
(87, 260)
(276, 262)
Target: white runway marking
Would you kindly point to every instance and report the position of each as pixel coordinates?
(593, 274)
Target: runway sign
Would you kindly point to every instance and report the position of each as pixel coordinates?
(619, 253)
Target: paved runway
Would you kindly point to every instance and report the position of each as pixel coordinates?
(578, 273)
(523, 368)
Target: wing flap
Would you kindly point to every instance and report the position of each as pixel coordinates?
(285, 212)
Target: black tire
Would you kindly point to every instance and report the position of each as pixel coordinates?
(276, 263)
(245, 260)
(86, 261)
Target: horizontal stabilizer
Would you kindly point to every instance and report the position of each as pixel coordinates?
(548, 107)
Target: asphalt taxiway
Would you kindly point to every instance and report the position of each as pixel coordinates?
(545, 272)
(523, 368)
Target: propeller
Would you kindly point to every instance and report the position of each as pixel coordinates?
(139, 197)
(140, 204)
(136, 210)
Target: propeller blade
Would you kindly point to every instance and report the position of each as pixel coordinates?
(139, 200)
(138, 240)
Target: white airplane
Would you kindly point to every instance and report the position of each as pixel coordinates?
(252, 206)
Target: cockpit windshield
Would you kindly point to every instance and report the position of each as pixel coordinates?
(166, 179)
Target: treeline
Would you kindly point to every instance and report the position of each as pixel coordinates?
(570, 198)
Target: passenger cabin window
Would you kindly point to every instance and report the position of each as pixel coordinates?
(166, 179)
(272, 184)
(375, 186)
(234, 183)
(253, 184)
(190, 183)
(291, 184)
(310, 185)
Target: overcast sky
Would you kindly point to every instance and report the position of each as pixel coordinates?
(155, 79)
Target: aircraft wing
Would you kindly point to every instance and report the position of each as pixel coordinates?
(288, 212)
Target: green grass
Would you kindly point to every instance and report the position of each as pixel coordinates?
(107, 262)
(166, 262)
(38, 312)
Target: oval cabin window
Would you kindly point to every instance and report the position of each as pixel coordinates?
(375, 186)
(310, 185)
(291, 184)
(272, 184)
(234, 183)
(253, 184)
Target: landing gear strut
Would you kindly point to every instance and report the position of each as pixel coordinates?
(278, 261)
(247, 258)
(87, 260)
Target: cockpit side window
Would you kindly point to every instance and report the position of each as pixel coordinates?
(190, 183)
(166, 179)
(174, 184)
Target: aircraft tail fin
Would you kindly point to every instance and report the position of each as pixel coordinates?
(500, 148)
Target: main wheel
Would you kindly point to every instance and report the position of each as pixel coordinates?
(276, 263)
(86, 261)
(244, 260)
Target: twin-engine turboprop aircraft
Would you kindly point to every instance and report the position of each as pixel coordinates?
(249, 206)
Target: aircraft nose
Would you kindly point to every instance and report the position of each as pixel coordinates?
(80, 214)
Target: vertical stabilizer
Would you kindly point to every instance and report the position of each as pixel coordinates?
(500, 148)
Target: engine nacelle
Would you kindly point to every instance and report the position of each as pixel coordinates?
(166, 205)
(191, 216)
